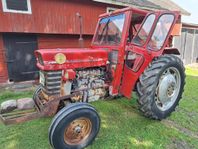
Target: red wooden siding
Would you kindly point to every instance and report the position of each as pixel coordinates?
(55, 23)
(62, 41)
(3, 66)
(44, 42)
(54, 16)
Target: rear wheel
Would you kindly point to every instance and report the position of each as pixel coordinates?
(74, 127)
(160, 87)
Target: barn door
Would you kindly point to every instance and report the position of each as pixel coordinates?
(21, 61)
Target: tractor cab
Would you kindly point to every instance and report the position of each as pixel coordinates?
(133, 38)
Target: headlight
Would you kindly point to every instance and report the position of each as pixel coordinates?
(42, 78)
(40, 60)
(60, 58)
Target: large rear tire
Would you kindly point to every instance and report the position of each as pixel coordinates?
(160, 87)
(74, 127)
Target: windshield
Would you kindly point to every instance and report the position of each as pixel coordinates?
(110, 30)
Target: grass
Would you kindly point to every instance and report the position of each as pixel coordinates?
(123, 126)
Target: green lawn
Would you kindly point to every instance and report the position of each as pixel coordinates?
(123, 126)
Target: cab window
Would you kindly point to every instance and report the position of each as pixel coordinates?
(110, 30)
(161, 31)
(144, 31)
(136, 22)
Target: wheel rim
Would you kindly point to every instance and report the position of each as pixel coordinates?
(77, 131)
(168, 88)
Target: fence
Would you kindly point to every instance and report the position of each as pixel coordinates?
(187, 44)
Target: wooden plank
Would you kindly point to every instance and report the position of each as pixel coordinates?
(180, 42)
(62, 41)
(189, 46)
(3, 65)
(18, 112)
(195, 52)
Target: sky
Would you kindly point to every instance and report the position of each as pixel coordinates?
(192, 7)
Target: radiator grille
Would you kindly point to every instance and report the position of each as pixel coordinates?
(51, 82)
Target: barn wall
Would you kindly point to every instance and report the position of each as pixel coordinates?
(62, 41)
(45, 41)
(3, 66)
(54, 16)
(55, 23)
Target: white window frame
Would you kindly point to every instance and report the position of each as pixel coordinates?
(110, 9)
(5, 8)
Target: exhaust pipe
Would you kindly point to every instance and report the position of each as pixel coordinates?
(81, 40)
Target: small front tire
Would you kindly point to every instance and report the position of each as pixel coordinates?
(74, 127)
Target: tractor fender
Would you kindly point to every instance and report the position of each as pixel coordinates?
(170, 50)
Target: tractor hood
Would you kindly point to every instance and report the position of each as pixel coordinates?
(59, 59)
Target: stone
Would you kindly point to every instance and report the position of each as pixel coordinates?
(8, 106)
(25, 104)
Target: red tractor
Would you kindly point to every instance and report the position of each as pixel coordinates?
(131, 50)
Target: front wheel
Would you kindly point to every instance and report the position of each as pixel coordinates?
(74, 127)
(160, 87)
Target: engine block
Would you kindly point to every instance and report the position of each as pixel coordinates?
(93, 80)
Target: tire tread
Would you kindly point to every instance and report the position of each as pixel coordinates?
(146, 84)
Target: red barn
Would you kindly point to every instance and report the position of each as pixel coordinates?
(27, 25)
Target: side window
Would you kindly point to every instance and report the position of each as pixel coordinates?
(14, 6)
(161, 31)
(130, 59)
(136, 22)
(111, 9)
(134, 61)
(144, 31)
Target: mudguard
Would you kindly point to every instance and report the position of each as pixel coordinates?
(171, 51)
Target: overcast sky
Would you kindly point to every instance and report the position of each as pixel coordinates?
(192, 7)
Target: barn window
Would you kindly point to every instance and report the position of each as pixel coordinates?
(17, 6)
(110, 9)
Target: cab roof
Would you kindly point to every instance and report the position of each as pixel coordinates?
(140, 11)
(136, 10)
